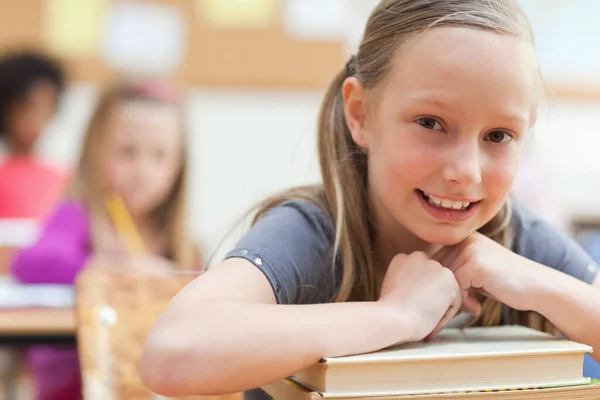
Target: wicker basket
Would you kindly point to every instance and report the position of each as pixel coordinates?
(115, 312)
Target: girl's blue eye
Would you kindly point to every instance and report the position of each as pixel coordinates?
(430, 123)
(498, 137)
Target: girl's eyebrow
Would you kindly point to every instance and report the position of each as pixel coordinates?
(439, 101)
(516, 118)
(429, 99)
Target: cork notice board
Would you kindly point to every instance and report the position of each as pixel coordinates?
(263, 56)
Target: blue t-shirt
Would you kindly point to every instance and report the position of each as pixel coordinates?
(292, 244)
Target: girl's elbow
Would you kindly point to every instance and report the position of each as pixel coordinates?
(165, 366)
(179, 360)
(153, 378)
(156, 365)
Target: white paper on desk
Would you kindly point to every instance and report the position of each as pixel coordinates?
(18, 232)
(314, 19)
(143, 37)
(16, 295)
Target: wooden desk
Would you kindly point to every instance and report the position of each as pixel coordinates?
(22, 327)
(37, 324)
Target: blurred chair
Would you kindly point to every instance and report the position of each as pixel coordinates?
(115, 312)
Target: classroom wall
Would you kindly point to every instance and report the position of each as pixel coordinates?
(246, 144)
(566, 142)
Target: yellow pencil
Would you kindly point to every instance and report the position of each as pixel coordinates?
(124, 224)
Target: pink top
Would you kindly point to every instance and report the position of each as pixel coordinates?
(29, 188)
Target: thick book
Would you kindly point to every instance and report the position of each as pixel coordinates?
(458, 360)
(287, 389)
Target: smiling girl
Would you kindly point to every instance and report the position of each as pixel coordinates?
(420, 138)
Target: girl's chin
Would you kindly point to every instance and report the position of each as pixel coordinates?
(445, 236)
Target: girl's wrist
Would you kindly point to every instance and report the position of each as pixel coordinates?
(372, 326)
(543, 287)
(402, 321)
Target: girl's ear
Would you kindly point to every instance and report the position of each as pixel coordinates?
(353, 93)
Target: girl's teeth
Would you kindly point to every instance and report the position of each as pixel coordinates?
(446, 203)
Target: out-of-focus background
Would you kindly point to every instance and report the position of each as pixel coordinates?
(253, 73)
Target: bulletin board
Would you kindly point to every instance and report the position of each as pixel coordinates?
(265, 55)
(20, 22)
(224, 56)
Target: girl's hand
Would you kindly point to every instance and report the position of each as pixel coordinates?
(482, 266)
(422, 289)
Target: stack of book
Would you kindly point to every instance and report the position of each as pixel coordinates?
(508, 362)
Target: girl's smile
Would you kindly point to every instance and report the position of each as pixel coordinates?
(448, 209)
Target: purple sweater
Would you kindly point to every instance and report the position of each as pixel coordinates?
(61, 251)
(57, 257)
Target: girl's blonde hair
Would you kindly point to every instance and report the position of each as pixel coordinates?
(344, 165)
(88, 183)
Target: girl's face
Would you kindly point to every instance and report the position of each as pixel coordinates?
(27, 117)
(446, 131)
(143, 155)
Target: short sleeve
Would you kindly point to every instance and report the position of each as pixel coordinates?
(292, 246)
(541, 242)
